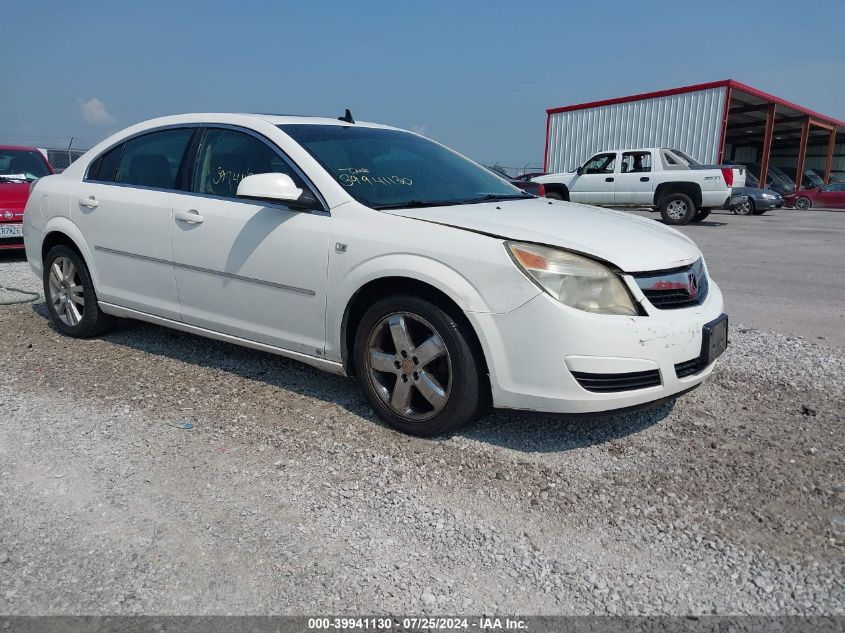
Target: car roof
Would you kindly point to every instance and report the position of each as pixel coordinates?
(296, 119)
(242, 118)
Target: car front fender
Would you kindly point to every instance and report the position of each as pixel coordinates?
(419, 268)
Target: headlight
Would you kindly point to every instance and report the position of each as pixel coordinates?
(769, 196)
(573, 280)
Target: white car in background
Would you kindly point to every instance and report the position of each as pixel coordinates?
(367, 250)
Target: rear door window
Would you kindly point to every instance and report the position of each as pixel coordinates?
(636, 162)
(154, 159)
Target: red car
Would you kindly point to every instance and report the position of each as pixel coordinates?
(19, 166)
(830, 196)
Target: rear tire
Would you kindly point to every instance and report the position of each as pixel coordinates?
(69, 292)
(701, 215)
(418, 366)
(677, 209)
(803, 203)
(555, 195)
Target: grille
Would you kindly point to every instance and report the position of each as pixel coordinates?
(604, 383)
(688, 368)
(674, 289)
(674, 299)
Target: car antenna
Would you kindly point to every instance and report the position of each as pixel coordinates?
(347, 117)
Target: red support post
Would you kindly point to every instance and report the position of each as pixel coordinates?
(831, 143)
(767, 144)
(802, 153)
(546, 151)
(725, 114)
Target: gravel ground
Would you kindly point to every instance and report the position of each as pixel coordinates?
(287, 496)
(17, 282)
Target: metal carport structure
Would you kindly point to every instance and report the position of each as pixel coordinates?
(721, 120)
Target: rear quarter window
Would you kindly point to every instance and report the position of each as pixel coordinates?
(104, 166)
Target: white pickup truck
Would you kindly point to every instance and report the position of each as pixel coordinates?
(681, 188)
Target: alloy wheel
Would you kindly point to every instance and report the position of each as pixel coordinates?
(802, 203)
(409, 366)
(676, 209)
(66, 292)
(744, 208)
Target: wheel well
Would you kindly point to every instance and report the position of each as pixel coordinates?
(561, 189)
(378, 289)
(54, 239)
(692, 189)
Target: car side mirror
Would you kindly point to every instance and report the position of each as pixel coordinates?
(275, 187)
(580, 171)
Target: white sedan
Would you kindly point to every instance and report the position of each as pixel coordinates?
(370, 251)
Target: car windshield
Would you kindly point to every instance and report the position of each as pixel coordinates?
(393, 169)
(779, 181)
(22, 164)
(786, 180)
(813, 179)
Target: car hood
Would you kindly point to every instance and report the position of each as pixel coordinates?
(13, 195)
(632, 243)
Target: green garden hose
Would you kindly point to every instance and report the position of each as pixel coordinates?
(30, 296)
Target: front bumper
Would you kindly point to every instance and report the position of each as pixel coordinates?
(761, 204)
(768, 203)
(535, 352)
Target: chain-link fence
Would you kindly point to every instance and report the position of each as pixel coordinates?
(61, 158)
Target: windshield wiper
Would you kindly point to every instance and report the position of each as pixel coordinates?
(496, 196)
(417, 204)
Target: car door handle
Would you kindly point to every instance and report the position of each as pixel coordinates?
(644, 179)
(608, 179)
(90, 202)
(191, 217)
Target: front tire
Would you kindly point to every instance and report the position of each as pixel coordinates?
(746, 207)
(677, 209)
(417, 366)
(70, 295)
(803, 203)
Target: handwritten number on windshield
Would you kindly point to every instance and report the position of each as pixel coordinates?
(351, 176)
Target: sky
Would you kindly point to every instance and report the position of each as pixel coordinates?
(477, 76)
